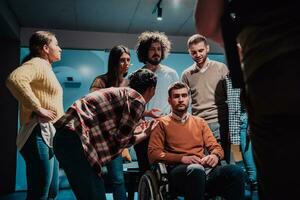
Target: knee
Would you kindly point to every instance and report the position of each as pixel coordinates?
(117, 177)
(235, 173)
(196, 171)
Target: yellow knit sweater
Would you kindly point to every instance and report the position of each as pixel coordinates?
(35, 85)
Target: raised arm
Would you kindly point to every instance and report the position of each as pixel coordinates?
(208, 15)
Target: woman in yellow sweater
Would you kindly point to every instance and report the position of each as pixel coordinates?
(39, 93)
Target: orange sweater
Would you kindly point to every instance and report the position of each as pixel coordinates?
(171, 140)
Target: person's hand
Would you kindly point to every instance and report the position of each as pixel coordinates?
(152, 113)
(211, 160)
(190, 160)
(143, 130)
(126, 155)
(146, 127)
(45, 115)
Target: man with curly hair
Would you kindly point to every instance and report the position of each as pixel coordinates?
(152, 48)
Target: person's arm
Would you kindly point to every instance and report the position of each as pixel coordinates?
(210, 141)
(143, 130)
(153, 113)
(19, 83)
(215, 150)
(184, 78)
(208, 15)
(175, 77)
(156, 151)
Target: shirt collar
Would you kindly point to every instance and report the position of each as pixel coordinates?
(205, 66)
(182, 119)
(158, 68)
(134, 94)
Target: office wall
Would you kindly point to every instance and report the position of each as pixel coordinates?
(103, 40)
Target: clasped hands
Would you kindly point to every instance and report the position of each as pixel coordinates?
(210, 160)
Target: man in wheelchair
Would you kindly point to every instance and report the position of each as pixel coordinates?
(191, 153)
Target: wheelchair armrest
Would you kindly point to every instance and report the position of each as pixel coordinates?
(160, 169)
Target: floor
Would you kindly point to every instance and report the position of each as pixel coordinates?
(65, 194)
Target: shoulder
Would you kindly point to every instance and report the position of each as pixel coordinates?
(167, 69)
(164, 120)
(218, 65)
(188, 70)
(38, 62)
(100, 81)
(33, 66)
(198, 120)
(132, 94)
(102, 77)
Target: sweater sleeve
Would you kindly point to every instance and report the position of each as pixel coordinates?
(18, 82)
(156, 151)
(210, 141)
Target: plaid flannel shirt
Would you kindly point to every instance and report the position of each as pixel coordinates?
(104, 120)
(234, 111)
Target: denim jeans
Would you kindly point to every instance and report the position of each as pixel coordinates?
(191, 180)
(115, 173)
(84, 181)
(221, 132)
(246, 149)
(41, 168)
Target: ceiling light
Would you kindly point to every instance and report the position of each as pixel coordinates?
(159, 14)
(158, 9)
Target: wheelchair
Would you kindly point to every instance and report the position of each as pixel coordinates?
(154, 185)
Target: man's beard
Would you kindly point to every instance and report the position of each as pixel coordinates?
(203, 60)
(154, 62)
(181, 110)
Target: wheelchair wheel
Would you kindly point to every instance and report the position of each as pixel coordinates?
(148, 187)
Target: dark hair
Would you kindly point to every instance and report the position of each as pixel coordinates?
(36, 43)
(142, 79)
(195, 39)
(113, 72)
(177, 85)
(146, 39)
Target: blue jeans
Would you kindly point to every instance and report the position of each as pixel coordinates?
(191, 180)
(115, 173)
(246, 149)
(41, 168)
(84, 181)
(221, 132)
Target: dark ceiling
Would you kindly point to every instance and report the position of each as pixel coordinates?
(120, 16)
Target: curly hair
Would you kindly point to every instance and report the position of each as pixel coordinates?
(146, 39)
(142, 79)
